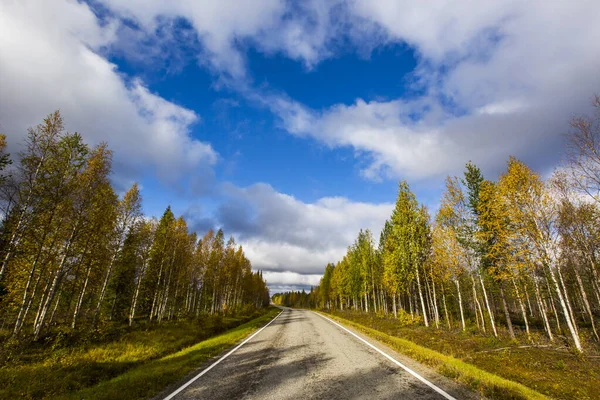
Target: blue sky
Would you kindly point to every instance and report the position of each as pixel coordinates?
(249, 138)
(289, 124)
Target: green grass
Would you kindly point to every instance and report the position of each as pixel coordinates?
(136, 364)
(472, 359)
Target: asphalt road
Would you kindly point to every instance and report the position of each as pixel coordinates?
(302, 355)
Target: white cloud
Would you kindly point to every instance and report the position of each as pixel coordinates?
(383, 131)
(279, 282)
(438, 29)
(309, 31)
(393, 143)
(506, 107)
(275, 255)
(281, 233)
(49, 60)
(499, 79)
(222, 26)
(290, 278)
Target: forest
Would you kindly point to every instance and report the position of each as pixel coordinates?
(516, 256)
(75, 255)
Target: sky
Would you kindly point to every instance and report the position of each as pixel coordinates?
(289, 124)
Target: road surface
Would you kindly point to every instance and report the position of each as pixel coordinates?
(302, 355)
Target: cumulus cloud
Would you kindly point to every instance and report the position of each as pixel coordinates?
(291, 278)
(50, 59)
(283, 234)
(393, 143)
(298, 30)
(381, 132)
(442, 30)
(498, 79)
(286, 281)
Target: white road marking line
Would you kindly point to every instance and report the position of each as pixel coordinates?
(188, 383)
(398, 363)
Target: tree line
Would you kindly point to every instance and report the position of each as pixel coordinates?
(75, 254)
(298, 299)
(519, 251)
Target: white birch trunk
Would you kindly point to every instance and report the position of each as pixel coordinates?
(446, 309)
(586, 303)
(460, 304)
(487, 305)
(421, 296)
(103, 289)
(478, 304)
(570, 315)
(81, 295)
(523, 312)
(56, 282)
(563, 304)
(435, 309)
(509, 325)
(543, 310)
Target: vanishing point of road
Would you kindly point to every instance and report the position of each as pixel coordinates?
(303, 355)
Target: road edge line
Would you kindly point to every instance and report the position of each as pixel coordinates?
(204, 371)
(392, 359)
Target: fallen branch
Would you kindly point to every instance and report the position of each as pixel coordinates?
(522, 347)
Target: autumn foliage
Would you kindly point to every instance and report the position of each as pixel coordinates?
(75, 254)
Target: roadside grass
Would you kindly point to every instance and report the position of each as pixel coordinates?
(496, 368)
(136, 364)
